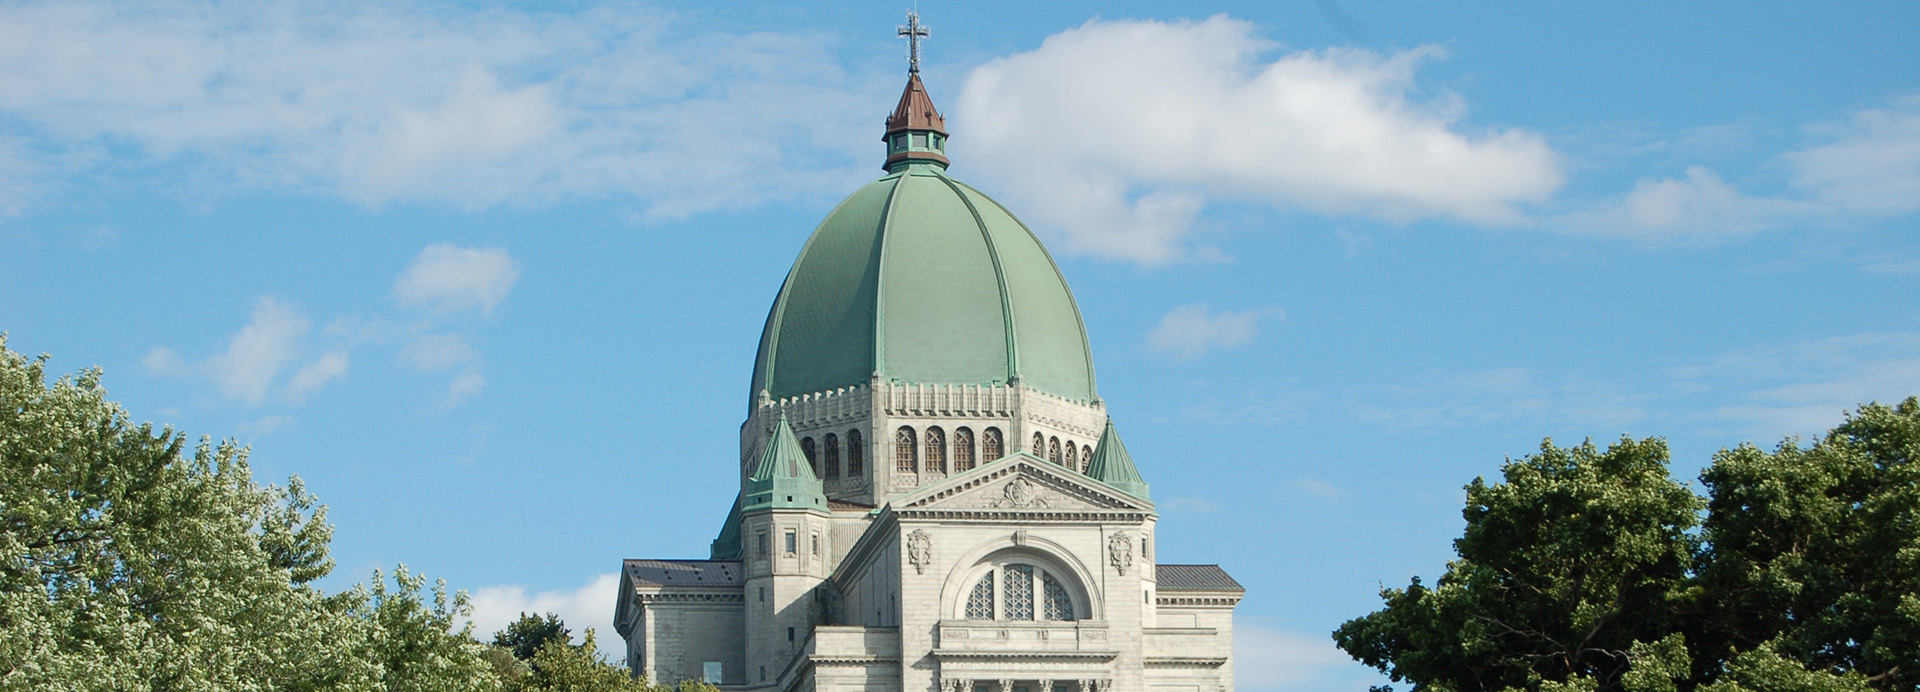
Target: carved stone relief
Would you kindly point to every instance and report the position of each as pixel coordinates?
(919, 550)
(1021, 493)
(1120, 551)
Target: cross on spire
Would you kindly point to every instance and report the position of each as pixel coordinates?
(914, 31)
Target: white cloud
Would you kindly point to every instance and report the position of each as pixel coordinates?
(1190, 331)
(433, 102)
(1805, 388)
(448, 278)
(264, 426)
(438, 352)
(1117, 133)
(1269, 658)
(250, 369)
(1318, 489)
(467, 385)
(1867, 168)
(494, 607)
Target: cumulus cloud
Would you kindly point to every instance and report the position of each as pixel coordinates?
(1867, 167)
(1190, 331)
(1117, 133)
(251, 367)
(591, 605)
(448, 278)
(428, 101)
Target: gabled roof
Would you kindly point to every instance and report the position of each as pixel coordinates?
(1023, 483)
(720, 573)
(1195, 578)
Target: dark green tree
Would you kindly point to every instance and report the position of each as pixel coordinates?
(525, 636)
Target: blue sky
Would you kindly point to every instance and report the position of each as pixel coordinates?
(490, 277)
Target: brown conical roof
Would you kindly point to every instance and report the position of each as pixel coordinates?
(916, 111)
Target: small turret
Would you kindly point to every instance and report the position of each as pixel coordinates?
(1113, 466)
(784, 479)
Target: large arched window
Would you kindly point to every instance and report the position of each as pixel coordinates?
(962, 449)
(856, 453)
(806, 448)
(1020, 591)
(905, 454)
(833, 455)
(1039, 445)
(991, 447)
(936, 450)
(1073, 456)
(1053, 450)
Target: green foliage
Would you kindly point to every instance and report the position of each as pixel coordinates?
(130, 562)
(525, 636)
(1579, 572)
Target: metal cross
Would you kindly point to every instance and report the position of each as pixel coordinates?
(914, 31)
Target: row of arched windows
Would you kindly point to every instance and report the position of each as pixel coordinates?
(1074, 457)
(856, 455)
(929, 447)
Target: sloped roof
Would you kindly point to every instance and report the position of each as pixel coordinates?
(1112, 465)
(1195, 578)
(722, 573)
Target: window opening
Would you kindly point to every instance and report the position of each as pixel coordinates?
(1073, 458)
(856, 453)
(793, 542)
(990, 445)
(1086, 458)
(1059, 605)
(806, 448)
(1039, 445)
(710, 672)
(962, 449)
(904, 452)
(980, 603)
(760, 541)
(1019, 587)
(1053, 450)
(833, 455)
(936, 450)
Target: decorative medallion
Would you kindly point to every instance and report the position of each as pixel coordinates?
(1120, 551)
(919, 550)
(1021, 493)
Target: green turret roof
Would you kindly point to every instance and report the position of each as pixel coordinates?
(784, 479)
(727, 545)
(1113, 466)
(919, 278)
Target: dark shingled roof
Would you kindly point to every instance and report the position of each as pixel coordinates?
(1195, 578)
(686, 572)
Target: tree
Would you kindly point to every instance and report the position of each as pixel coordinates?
(525, 636)
(130, 560)
(1579, 572)
(554, 664)
(1576, 556)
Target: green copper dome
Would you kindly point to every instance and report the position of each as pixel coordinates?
(918, 278)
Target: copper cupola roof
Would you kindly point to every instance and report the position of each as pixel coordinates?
(915, 131)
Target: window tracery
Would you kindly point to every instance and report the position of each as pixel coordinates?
(1086, 458)
(806, 449)
(1073, 456)
(1039, 445)
(1008, 591)
(1059, 604)
(962, 449)
(980, 602)
(1019, 589)
(990, 445)
(1053, 450)
(905, 453)
(936, 456)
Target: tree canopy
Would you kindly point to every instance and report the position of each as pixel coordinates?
(134, 559)
(1595, 570)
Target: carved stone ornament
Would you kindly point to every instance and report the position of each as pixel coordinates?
(1021, 493)
(919, 550)
(955, 685)
(1120, 551)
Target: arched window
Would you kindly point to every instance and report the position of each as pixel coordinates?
(1020, 591)
(962, 449)
(1053, 450)
(806, 448)
(1073, 456)
(991, 448)
(936, 450)
(856, 454)
(1039, 445)
(904, 451)
(1086, 458)
(833, 455)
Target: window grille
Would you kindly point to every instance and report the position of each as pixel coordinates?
(962, 449)
(936, 450)
(1053, 450)
(980, 604)
(856, 454)
(904, 450)
(1039, 445)
(990, 445)
(1073, 458)
(1019, 588)
(1059, 605)
(833, 455)
(806, 448)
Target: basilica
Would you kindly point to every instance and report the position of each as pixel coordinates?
(932, 495)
